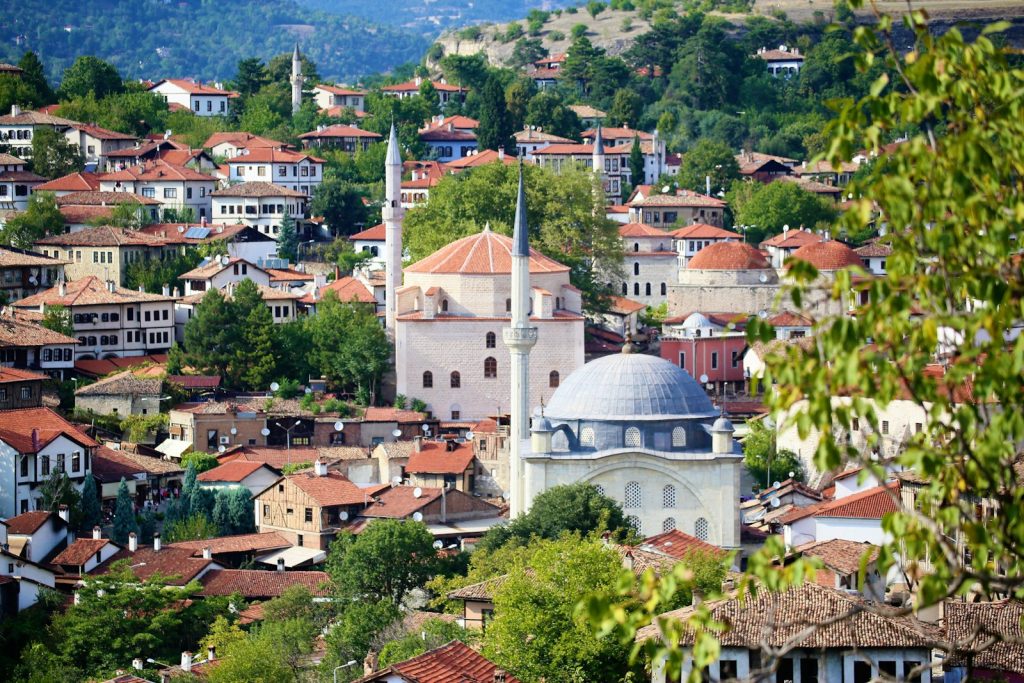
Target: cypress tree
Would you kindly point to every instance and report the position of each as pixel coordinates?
(90, 503)
(221, 515)
(495, 129)
(241, 511)
(288, 239)
(636, 162)
(124, 515)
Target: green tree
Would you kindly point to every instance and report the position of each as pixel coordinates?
(176, 360)
(254, 363)
(341, 205)
(13, 91)
(495, 130)
(764, 461)
(546, 111)
(124, 515)
(90, 75)
(211, 335)
(349, 347)
(636, 162)
(536, 604)
(241, 515)
(270, 653)
(288, 239)
(576, 508)
(359, 626)
(708, 158)
(627, 106)
(772, 206)
(58, 319)
(195, 527)
(39, 219)
(200, 461)
(702, 76)
(33, 75)
(432, 634)
(384, 562)
(250, 76)
(262, 114)
(90, 508)
(58, 491)
(526, 52)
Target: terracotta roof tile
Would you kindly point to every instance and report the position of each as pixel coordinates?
(234, 471)
(17, 375)
(791, 239)
(678, 544)
(387, 414)
(400, 502)
(257, 189)
(479, 158)
(98, 198)
(273, 156)
(242, 140)
(451, 663)
(260, 585)
(15, 332)
(375, 233)
(30, 429)
(684, 198)
(123, 383)
(192, 87)
(103, 236)
(624, 306)
(483, 253)
(410, 86)
(830, 255)
(27, 523)
(340, 131)
(85, 292)
(986, 635)
(728, 256)
(177, 564)
(641, 230)
(332, 488)
(110, 466)
(335, 90)
(435, 458)
(703, 231)
(79, 552)
(240, 543)
(157, 169)
(73, 182)
(839, 554)
(347, 289)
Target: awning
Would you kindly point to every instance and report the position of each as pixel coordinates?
(174, 448)
(294, 557)
(466, 527)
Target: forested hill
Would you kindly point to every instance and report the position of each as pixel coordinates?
(430, 17)
(199, 38)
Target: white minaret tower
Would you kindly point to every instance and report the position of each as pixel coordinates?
(296, 80)
(392, 213)
(597, 155)
(520, 339)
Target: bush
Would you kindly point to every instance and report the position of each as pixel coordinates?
(513, 32)
(627, 25)
(594, 8)
(201, 461)
(571, 10)
(470, 33)
(578, 31)
(556, 36)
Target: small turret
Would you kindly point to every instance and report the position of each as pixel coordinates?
(721, 436)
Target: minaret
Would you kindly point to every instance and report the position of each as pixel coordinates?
(597, 156)
(392, 213)
(296, 80)
(520, 339)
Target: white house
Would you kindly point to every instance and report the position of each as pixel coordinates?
(328, 96)
(18, 128)
(254, 476)
(218, 272)
(230, 144)
(850, 517)
(16, 184)
(445, 91)
(33, 443)
(95, 143)
(294, 170)
(261, 205)
(692, 238)
(175, 187)
(650, 263)
(201, 100)
(29, 345)
(785, 61)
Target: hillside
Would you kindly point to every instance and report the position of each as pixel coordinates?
(429, 17)
(197, 38)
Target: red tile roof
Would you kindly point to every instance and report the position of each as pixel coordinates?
(375, 233)
(28, 430)
(839, 554)
(110, 466)
(830, 255)
(455, 662)
(623, 306)
(640, 230)
(87, 291)
(678, 545)
(791, 239)
(73, 182)
(613, 133)
(255, 584)
(103, 236)
(435, 458)
(789, 319)
(483, 253)
(27, 523)
(235, 471)
(335, 90)
(17, 375)
(192, 87)
(241, 139)
(273, 156)
(684, 198)
(445, 135)
(340, 131)
(347, 289)
(728, 256)
(79, 552)
(869, 504)
(157, 169)
(387, 414)
(239, 543)
(175, 564)
(986, 635)
(400, 502)
(97, 198)
(102, 133)
(410, 86)
(479, 158)
(703, 231)
(332, 489)
(195, 381)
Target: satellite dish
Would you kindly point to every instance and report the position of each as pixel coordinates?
(762, 314)
(225, 260)
(32, 280)
(505, 495)
(221, 449)
(703, 379)
(343, 515)
(417, 492)
(425, 428)
(339, 425)
(265, 432)
(417, 516)
(234, 430)
(437, 544)
(470, 435)
(274, 386)
(776, 502)
(396, 480)
(308, 390)
(396, 433)
(792, 474)
(665, 189)
(763, 278)
(775, 484)
(786, 226)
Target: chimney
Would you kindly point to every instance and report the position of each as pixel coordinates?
(176, 292)
(111, 286)
(133, 542)
(96, 533)
(211, 653)
(15, 110)
(207, 554)
(501, 154)
(165, 677)
(499, 676)
(156, 543)
(138, 664)
(62, 288)
(280, 564)
(35, 439)
(186, 661)
(166, 289)
(370, 663)
(417, 444)
(698, 596)
(62, 512)
(320, 468)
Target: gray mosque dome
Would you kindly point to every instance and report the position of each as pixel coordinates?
(629, 387)
(723, 424)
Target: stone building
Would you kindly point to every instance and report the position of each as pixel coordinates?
(725, 276)
(122, 394)
(644, 432)
(650, 264)
(450, 315)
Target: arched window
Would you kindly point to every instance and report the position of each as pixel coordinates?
(490, 340)
(634, 522)
(668, 496)
(428, 380)
(636, 289)
(625, 289)
(664, 289)
(669, 524)
(587, 437)
(633, 498)
(647, 289)
(632, 438)
(636, 269)
(444, 304)
(490, 367)
(456, 380)
(553, 379)
(636, 247)
(599, 489)
(508, 305)
(678, 437)
(374, 251)
(700, 529)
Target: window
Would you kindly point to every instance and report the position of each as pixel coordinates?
(714, 360)
(444, 305)
(308, 517)
(490, 340)
(625, 289)
(669, 524)
(24, 465)
(632, 437)
(784, 672)
(918, 427)
(636, 269)
(428, 380)
(587, 437)
(553, 379)
(634, 521)
(809, 670)
(195, 105)
(636, 289)
(456, 380)
(170, 193)
(508, 305)
(668, 496)
(664, 289)
(26, 393)
(44, 465)
(700, 529)
(909, 674)
(266, 511)
(299, 539)
(885, 426)
(490, 368)
(280, 488)
(46, 355)
(282, 171)
(636, 247)
(682, 360)
(633, 497)
(188, 193)
(862, 672)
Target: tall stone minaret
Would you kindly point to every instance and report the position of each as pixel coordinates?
(392, 214)
(296, 80)
(520, 338)
(597, 155)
